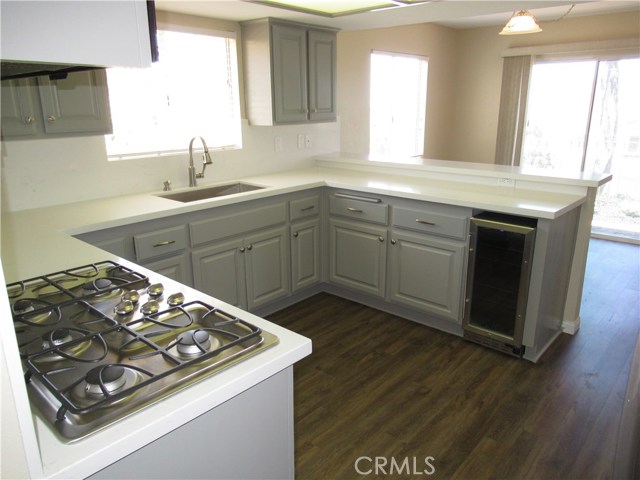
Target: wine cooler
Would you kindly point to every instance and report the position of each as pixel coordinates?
(500, 255)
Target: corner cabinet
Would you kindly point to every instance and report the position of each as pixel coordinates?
(290, 72)
(40, 107)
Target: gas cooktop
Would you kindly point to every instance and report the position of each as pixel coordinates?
(101, 341)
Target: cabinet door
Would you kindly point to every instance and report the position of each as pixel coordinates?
(19, 108)
(76, 104)
(357, 256)
(289, 50)
(305, 254)
(175, 268)
(218, 270)
(322, 75)
(267, 267)
(426, 273)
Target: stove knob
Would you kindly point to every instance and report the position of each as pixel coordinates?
(155, 290)
(131, 296)
(124, 308)
(176, 299)
(150, 307)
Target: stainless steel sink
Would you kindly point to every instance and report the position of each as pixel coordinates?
(210, 192)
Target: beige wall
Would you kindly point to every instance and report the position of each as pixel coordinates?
(465, 73)
(479, 74)
(354, 49)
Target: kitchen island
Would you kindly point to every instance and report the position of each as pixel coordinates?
(41, 240)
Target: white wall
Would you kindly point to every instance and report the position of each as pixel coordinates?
(354, 50)
(37, 173)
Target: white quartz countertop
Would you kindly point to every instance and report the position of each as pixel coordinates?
(30, 237)
(39, 241)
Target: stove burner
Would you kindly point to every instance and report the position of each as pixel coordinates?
(56, 337)
(194, 342)
(97, 285)
(105, 380)
(23, 306)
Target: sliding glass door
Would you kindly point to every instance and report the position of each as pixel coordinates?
(586, 115)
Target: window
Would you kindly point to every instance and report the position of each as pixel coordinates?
(584, 115)
(192, 91)
(398, 104)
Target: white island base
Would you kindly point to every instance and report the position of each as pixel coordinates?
(247, 437)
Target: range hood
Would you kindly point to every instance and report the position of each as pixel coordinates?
(12, 70)
(56, 37)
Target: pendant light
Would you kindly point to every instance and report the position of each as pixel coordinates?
(521, 23)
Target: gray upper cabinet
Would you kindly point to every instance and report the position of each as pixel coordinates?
(19, 108)
(76, 105)
(290, 72)
(322, 75)
(290, 91)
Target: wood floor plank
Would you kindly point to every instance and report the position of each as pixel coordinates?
(380, 386)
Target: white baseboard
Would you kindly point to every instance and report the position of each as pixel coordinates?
(571, 326)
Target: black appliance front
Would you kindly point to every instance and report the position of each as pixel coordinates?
(499, 268)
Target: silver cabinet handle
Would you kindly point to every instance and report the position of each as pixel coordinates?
(358, 197)
(250, 247)
(393, 242)
(51, 118)
(242, 249)
(356, 210)
(164, 244)
(306, 209)
(424, 222)
(29, 120)
(381, 238)
(295, 234)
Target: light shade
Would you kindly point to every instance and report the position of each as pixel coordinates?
(522, 22)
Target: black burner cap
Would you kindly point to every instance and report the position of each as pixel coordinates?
(110, 373)
(57, 334)
(98, 284)
(23, 305)
(194, 337)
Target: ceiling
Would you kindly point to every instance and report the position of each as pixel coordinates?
(451, 13)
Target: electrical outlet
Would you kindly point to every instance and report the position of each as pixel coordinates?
(506, 182)
(277, 144)
(307, 141)
(300, 140)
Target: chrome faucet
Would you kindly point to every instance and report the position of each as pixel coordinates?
(206, 160)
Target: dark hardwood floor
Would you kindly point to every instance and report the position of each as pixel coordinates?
(381, 386)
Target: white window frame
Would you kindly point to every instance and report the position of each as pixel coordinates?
(198, 129)
(418, 133)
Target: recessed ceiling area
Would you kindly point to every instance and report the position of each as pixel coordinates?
(450, 13)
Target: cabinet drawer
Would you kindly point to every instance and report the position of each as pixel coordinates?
(225, 226)
(430, 221)
(305, 207)
(160, 242)
(368, 209)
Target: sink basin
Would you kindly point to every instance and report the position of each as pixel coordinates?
(210, 192)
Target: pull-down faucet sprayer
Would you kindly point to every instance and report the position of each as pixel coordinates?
(206, 160)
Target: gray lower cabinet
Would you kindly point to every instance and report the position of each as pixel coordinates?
(39, 107)
(426, 273)
(176, 268)
(305, 255)
(247, 272)
(357, 256)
